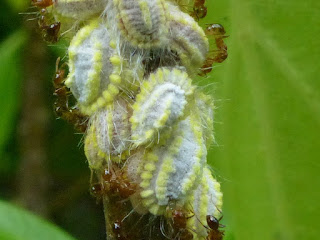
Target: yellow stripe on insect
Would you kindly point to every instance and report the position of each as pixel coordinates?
(115, 60)
(161, 102)
(146, 14)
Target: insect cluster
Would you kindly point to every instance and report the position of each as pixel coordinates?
(147, 126)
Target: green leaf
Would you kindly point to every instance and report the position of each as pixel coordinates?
(269, 148)
(10, 80)
(18, 5)
(18, 224)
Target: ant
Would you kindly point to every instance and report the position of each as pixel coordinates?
(114, 183)
(61, 104)
(213, 228)
(96, 190)
(42, 3)
(117, 183)
(118, 231)
(179, 220)
(218, 32)
(213, 225)
(199, 10)
(50, 31)
(115, 186)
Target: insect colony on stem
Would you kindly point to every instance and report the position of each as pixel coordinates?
(147, 126)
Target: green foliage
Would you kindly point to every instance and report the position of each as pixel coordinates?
(269, 156)
(18, 224)
(18, 5)
(10, 82)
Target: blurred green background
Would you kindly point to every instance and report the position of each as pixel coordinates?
(267, 127)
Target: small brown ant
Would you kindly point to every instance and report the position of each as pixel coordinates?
(117, 230)
(213, 228)
(115, 186)
(61, 104)
(117, 183)
(218, 56)
(50, 31)
(178, 218)
(213, 231)
(42, 3)
(96, 190)
(113, 183)
(199, 10)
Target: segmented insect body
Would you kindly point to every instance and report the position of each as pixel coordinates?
(115, 189)
(206, 107)
(206, 199)
(95, 67)
(214, 233)
(219, 55)
(49, 27)
(160, 104)
(61, 104)
(51, 32)
(96, 190)
(173, 166)
(118, 231)
(187, 39)
(42, 3)
(116, 182)
(108, 135)
(142, 23)
(79, 9)
(199, 10)
(179, 220)
(218, 31)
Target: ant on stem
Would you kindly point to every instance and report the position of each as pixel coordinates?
(61, 104)
(178, 217)
(50, 31)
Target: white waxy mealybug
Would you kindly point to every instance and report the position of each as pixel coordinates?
(130, 70)
(95, 67)
(108, 136)
(173, 168)
(95, 159)
(79, 9)
(142, 22)
(205, 200)
(187, 39)
(206, 107)
(160, 104)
